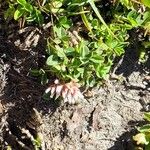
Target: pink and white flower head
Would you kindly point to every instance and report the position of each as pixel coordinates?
(70, 92)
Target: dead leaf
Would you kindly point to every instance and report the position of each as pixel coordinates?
(96, 114)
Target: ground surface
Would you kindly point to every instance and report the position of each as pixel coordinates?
(105, 121)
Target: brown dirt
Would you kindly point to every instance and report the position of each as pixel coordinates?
(105, 121)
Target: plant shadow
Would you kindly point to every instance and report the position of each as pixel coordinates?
(125, 141)
(22, 94)
(130, 60)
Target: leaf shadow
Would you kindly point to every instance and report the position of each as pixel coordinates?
(125, 141)
(22, 93)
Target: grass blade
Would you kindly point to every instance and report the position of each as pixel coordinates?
(91, 2)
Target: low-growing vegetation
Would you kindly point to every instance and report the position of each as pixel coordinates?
(143, 137)
(85, 38)
(84, 41)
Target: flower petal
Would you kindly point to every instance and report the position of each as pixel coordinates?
(56, 81)
(64, 92)
(65, 100)
(69, 96)
(80, 95)
(58, 90)
(73, 101)
(48, 90)
(53, 88)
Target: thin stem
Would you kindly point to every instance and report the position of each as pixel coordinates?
(101, 18)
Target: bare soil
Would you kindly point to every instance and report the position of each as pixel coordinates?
(105, 121)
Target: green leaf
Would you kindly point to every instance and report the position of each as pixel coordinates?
(22, 2)
(75, 62)
(55, 6)
(101, 71)
(146, 44)
(146, 2)
(140, 138)
(41, 71)
(84, 51)
(98, 69)
(38, 142)
(125, 2)
(96, 59)
(147, 147)
(28, 7)
(139, 19)
(63, 21)
(90, 81)
(104, 46)
(31, 18)
(44, 79)
(60, 32)
(51, 62)
(70, 51)
(134, 18)
(60, 51)
(9, 13)
(145, 128)
(18, 13)
(147, 116)
(81, 70)
(86, 22)
(119, 51)
(95, 24)
(39, 17)
(78, 73)
(112, 43)
(35, 72)
(95, 9)
(146, 17)
(57, 67)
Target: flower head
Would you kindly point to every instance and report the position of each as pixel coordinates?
(70, 92)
